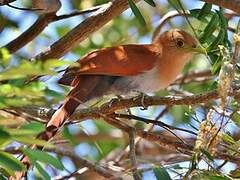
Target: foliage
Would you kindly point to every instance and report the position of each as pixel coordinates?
(97, 141)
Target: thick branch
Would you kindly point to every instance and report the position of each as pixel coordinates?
(84, 29)
(30, 34)
(111, 107)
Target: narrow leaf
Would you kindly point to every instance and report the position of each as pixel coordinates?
(136, 12)
(8, 161)
(206, 9)
(210, 28)
(42, 172)
(30, 140)
(37, 155)
(161, 173)
(4, 136)
(150, 2)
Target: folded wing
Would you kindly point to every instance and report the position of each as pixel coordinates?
(126, 60)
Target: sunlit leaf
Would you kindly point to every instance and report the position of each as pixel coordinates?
(30, 140)
(206, 9)
(8, 161)
(37, 155)
(150, 2)
(176, 4)
(210, 28)
(161, 173)
(4, 136)
(4, 57)
(136, 12)
(34, 126)
(208, 155)
(42, 172)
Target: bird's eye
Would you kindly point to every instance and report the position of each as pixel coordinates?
(179, 43)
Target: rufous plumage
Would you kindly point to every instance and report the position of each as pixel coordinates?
(123, 69)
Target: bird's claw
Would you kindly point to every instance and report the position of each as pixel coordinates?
(144, 107)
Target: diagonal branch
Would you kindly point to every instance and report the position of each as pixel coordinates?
(30, 34)
(84, 29)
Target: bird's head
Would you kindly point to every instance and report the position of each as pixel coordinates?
(177, 43)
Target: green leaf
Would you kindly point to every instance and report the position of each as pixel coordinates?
(54, 94)
(223, 19)
(228, 139)
(53, 63)
(21, 132)
(176, 4)
(67, 135)
(195, 12)
(220, 37)
(42, 172)
(208, 155)
(37, 155)
(7, 161)
(7, 172)
(217, 64)
(210, 28)
(24, 69)
(30, 140)
(4, 57)
(4, 136)
(2, 178)
(161, 173)
(150, 2)
(236, 118)
(206, 9)
(34, 126)
(136, 12)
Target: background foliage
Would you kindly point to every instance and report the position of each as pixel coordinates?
(96, 144)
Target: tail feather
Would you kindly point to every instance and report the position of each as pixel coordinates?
(86, 87)
(79, 94)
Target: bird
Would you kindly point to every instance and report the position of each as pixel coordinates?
(123, 69)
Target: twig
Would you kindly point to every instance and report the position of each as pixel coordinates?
(236, 53)
(23, 9)
(77, 13)
(155, 122)
(132, 154)
(103, 171)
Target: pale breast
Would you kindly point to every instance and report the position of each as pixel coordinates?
(147, 82)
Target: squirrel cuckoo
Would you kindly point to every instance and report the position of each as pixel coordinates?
(123, 69)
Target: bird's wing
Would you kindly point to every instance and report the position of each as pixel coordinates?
(126, 60)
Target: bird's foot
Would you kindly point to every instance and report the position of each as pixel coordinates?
(144, 107)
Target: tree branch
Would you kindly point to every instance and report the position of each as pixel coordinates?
(84, 29)
(30, 34)
(228, 4)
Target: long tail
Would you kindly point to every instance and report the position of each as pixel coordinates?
(79, 94)
(87, 87)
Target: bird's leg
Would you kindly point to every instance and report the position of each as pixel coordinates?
(143, 95)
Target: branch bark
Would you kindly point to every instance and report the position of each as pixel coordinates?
(30, 34)
(228, 4)
(84, 29)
